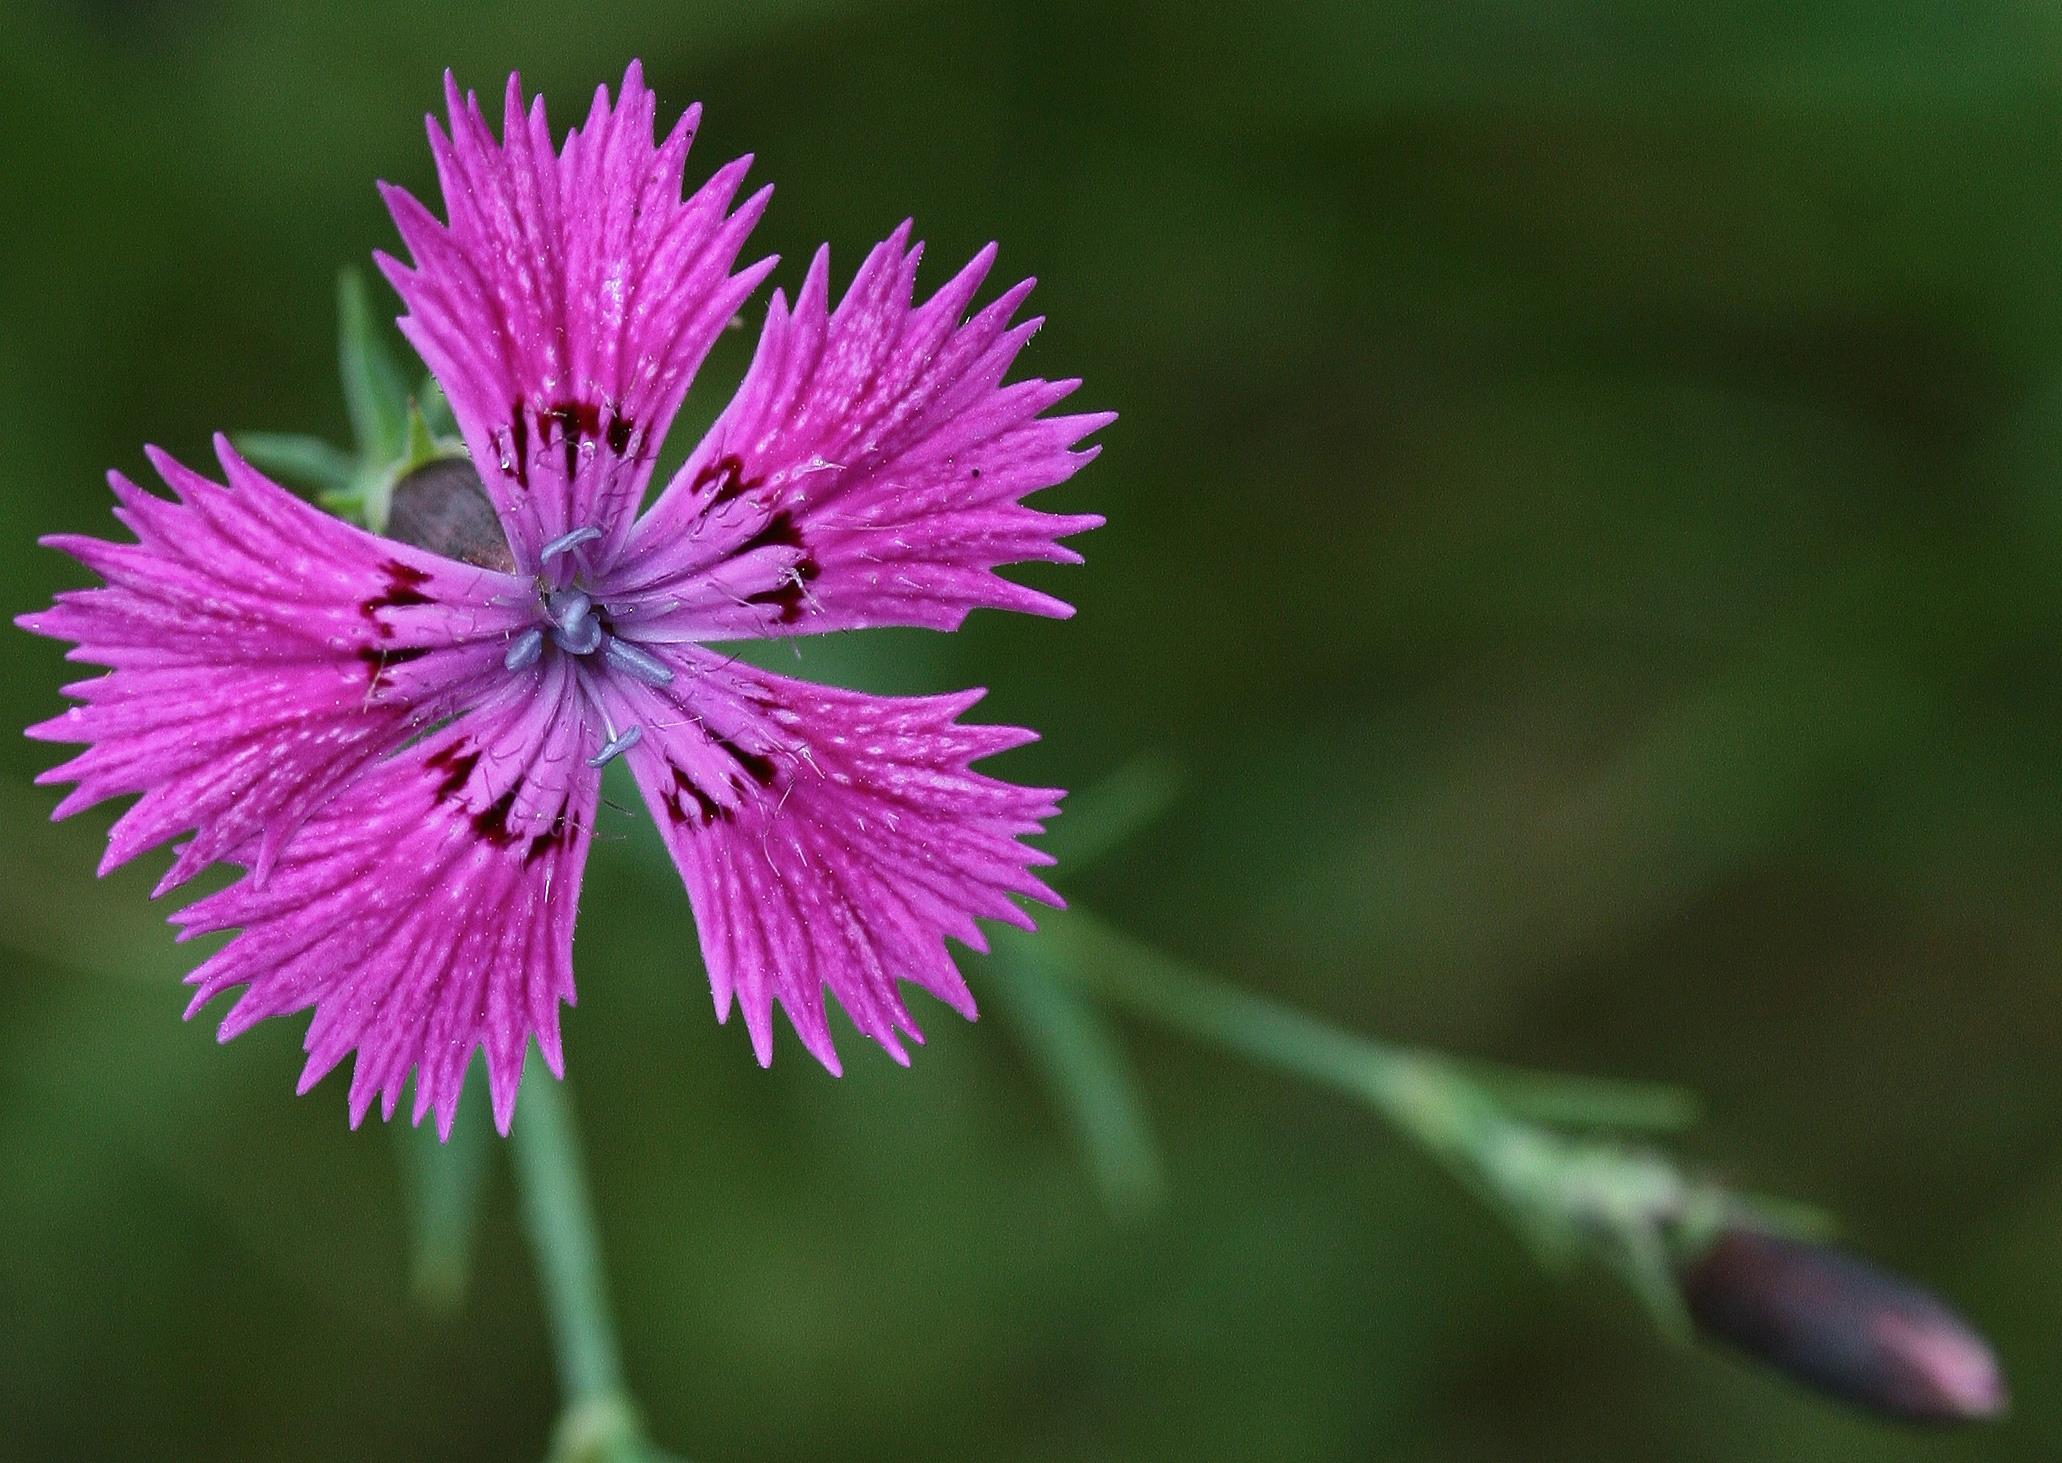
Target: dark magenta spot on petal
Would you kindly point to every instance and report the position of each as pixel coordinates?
(755, 766)
(491, 823)
(519, 442)
(780, 532)
(574, 420)
(791, 594)
(404, 587)
(380, 659)
(706, 810)
(456, 762)
(553, 837)
(726, 474)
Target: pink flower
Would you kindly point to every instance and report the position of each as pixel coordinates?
(403, 751)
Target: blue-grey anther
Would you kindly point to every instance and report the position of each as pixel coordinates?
(524, 650)
(574, 625)
(566, 541)
(616, 747)
(640, 664)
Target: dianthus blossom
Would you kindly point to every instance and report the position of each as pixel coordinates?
(403, 750)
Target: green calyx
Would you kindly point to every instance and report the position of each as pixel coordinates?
(394, 431)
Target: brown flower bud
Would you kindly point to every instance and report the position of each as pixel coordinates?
(440, 507)
(1835, 1323)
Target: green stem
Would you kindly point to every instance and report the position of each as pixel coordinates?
(1424, 1095)
(600, 1421)
(1482, 1124)
(1067, 1034)
(1460, 1111)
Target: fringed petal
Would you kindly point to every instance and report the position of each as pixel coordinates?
(261, 653)
(567, 301)
(830, 840)
(875, 446)
(427, 910)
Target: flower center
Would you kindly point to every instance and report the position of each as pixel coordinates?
(573, 622)
(575, 626)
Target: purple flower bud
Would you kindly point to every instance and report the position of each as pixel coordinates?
(1835, 1323)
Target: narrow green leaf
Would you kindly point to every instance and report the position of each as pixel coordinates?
(422, 442)
(347, 504)
(1642, 1260)
(304, 462)
(1563, 1100)
(373, 500)
(444, 1181)
(1103, 817)
(375, 393)
(1089, 1076)
(436, 410)
(1791, 1217)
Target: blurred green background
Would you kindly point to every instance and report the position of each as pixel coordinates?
(1585, 524)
